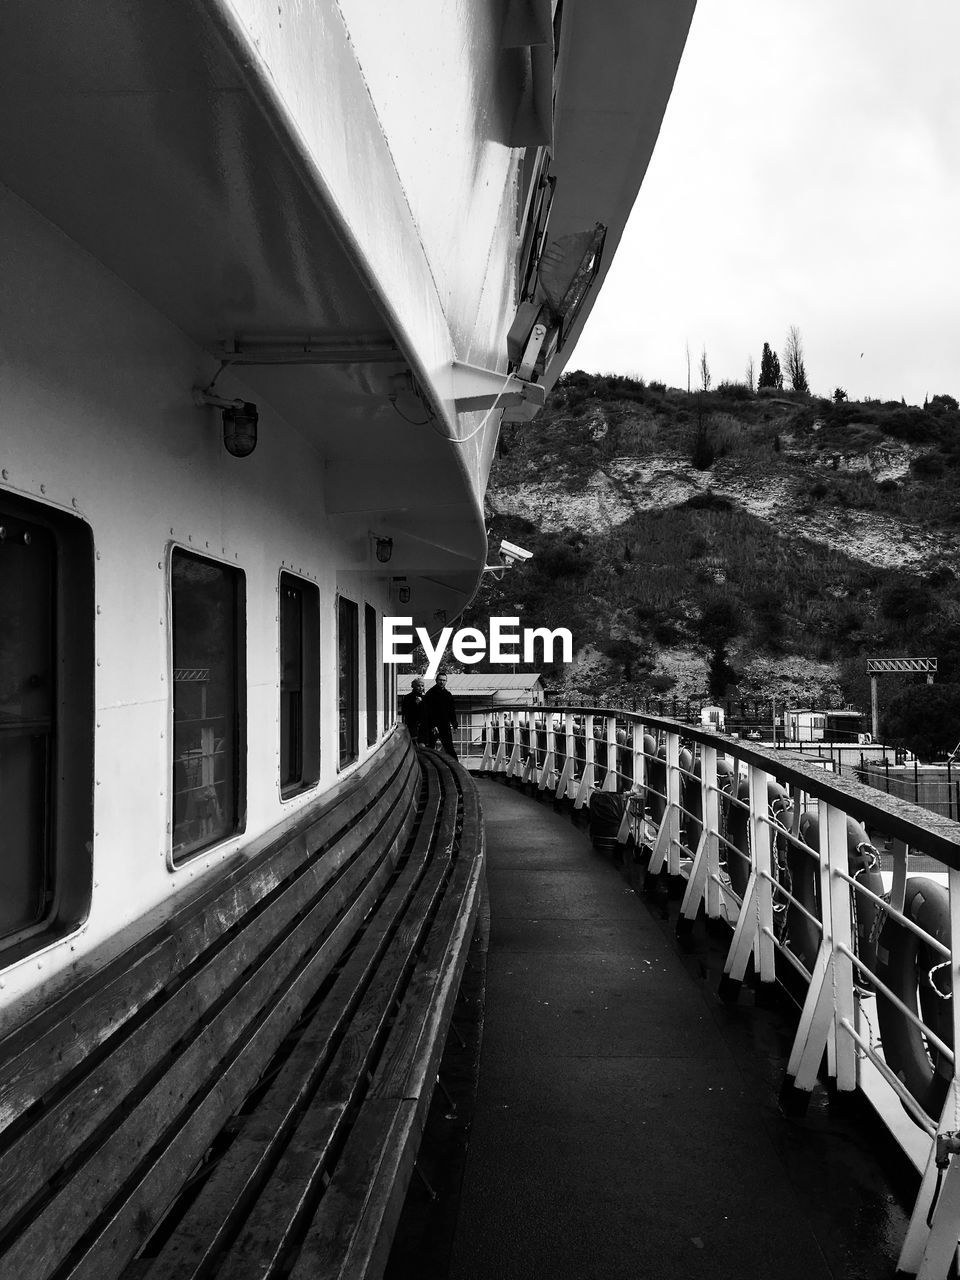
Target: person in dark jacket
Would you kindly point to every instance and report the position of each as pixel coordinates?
(411, 709)
(439, 712)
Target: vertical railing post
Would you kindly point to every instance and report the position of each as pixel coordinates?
(711, 803)
(611, 781)
(703, 884)
(747, 932)
(830, 999)
(531, 763)
(762, 861)
(513, 765)
(639, 759)
(674, 794)
(666, 848)
(833, 823)
(589, 754)
(567, 772)
(930, 1245)
(550, 756)
(500, 760)
(486, 762)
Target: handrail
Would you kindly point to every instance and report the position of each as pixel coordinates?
(901, 818)
(737, 841)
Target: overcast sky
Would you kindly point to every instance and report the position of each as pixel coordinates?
(808, 174)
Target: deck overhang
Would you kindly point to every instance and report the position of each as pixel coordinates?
(225, 159)
(155, 137)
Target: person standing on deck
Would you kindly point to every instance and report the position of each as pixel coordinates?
(439, 712)
(411, 708)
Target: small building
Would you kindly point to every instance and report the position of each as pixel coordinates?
(476, 693)
(802, 724)
(712, 717)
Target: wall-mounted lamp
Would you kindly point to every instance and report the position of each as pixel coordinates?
(239, 419)
(384, 549)
(402, 590)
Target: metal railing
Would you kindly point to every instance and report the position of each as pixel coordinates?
(790, 855)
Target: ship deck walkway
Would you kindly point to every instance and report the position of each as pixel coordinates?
(626, 1121)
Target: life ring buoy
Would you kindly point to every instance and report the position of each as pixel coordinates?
(656, 774)
(906, 965)
(738, 826)
(863, 863)
(694, 805)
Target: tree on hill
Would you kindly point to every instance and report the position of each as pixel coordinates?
(793, 359)
(704, 371)
(719, 623)
(925, 719)
(770, 375)
(941, 402)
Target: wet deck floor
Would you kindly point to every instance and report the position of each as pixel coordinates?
(626, 1121)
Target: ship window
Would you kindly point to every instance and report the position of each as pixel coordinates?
(46, 723)
(388, 669)
(299, 684)
(207, 623)
(348, 626)
(370, 660)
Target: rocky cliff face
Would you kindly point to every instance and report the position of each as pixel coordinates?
(828, 530)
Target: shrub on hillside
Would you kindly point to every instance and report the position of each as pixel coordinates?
(937, 404)
(905, 602)
(734, 391)
(706, 501)
(928, 465)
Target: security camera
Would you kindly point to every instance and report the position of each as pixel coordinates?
(510, 553)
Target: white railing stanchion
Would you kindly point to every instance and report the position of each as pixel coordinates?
(500, 760)
(589, 754)
(549, 758)
(747, 933)
(513, 764)
(706, 860)
(531, 770)
(762, 860)
(486, 762)
(567, 772)
(898, 888)
(830, 995)
(632, 820)
(930, 1245)
(571, 791)
(611, 779)
(666, 848)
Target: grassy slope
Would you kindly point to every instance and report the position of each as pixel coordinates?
(797, 516)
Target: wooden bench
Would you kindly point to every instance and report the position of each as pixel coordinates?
(242, 1092)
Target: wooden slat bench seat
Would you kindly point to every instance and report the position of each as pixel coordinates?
(242, 1090)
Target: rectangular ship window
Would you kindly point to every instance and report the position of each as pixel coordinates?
(348, 670)
(299, 684)
(209, 681)
(387, 699)
(372, 665)
(46, 723)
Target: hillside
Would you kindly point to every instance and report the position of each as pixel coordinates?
(749, 545)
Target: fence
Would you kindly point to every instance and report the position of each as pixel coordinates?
(792, 857)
